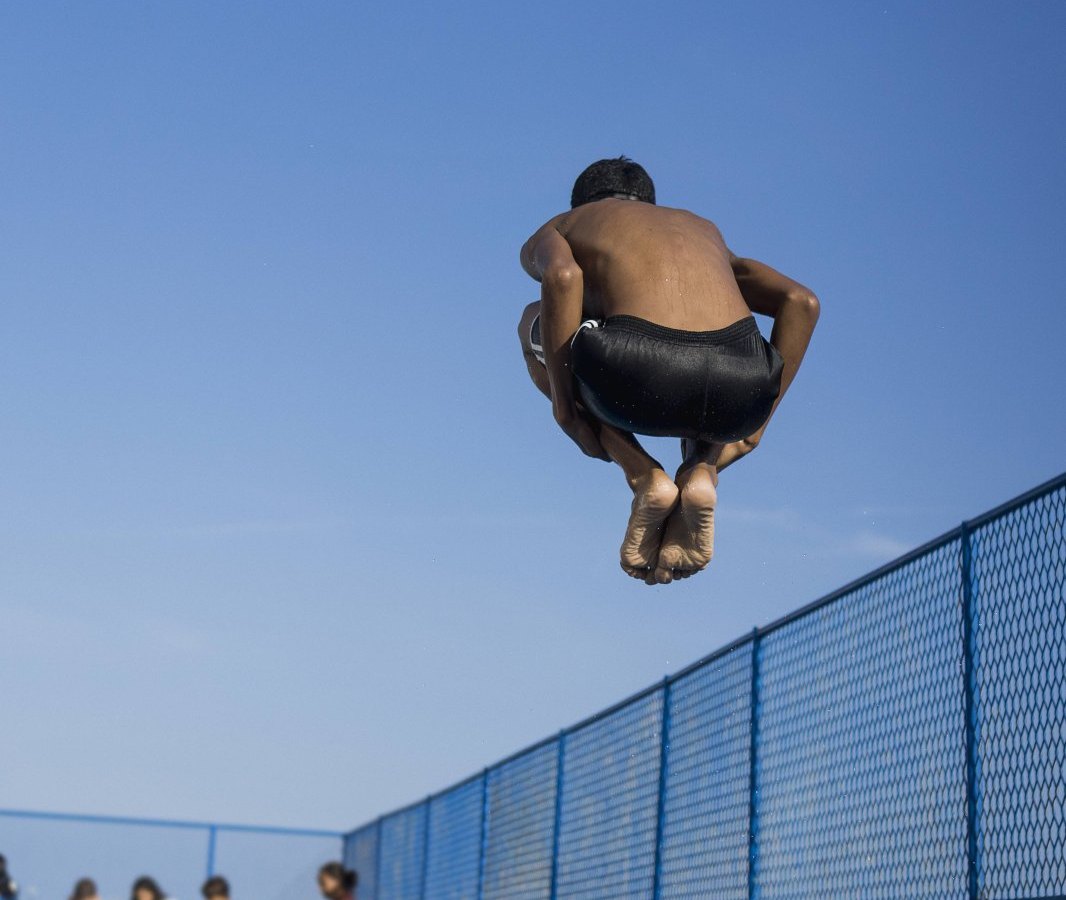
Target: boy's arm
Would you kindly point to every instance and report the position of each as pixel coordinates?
(794, 309)
(548, 259)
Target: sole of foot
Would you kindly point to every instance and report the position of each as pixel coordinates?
(655, 497)
(688, 542)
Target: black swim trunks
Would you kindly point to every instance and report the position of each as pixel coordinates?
(641, 377)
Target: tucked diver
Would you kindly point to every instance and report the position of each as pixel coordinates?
(645, 326)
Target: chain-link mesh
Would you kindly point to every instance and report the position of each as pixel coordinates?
(860, 743)
(47, 853)
(907, 740)
(705, 804)
(401, 870)
(1019, 596)
(361, 854)
(272, 866)
(46, 857)
(520, 826)
(454, 863)
(609, 807)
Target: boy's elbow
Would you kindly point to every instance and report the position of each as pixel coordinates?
(561, 277)
(805, 302)
(527, 265)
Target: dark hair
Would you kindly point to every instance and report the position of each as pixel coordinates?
(84, 889)
(612, 176)
(349, 878)
(8, 888)
(215, 886)
(144, 883)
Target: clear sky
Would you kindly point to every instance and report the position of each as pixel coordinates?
(286, 535)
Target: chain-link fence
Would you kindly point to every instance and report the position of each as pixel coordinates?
(904, 737)
(47, 853)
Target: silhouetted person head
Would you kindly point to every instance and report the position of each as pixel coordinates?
(145, 888)
(619, 177)
(85, 889)
(336, 882)
(8, 888)
(215, 888)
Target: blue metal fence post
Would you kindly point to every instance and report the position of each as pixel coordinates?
(484, 833)
(377, 860)
(664, 748)
(753, 786)
(558, 815)
(425, 849)
(969, 681)
(212, 837)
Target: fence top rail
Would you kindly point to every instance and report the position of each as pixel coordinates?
(936, 543)
(168, 823)
(1041, 490)
(425, 801)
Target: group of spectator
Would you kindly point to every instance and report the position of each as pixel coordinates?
(335, 882)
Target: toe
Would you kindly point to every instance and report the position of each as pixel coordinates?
(639, 572)
(670, 557)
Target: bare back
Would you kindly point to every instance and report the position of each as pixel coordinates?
(665, 265)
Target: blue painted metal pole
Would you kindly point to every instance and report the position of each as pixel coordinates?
(425, 849)
(558, 815)
(664, 748)
(969, 680)
(753, 782)
(377, 861)
(212, 838)
(484, 833)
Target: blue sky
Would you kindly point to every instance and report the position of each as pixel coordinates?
(287, 535)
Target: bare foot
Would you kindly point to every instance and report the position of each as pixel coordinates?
(654, 496)
(688, 543)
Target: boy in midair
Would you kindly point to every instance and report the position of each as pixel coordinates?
(645, 326)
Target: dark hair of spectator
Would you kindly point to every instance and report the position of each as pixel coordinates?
(144, 883)
(84, 890)
(215, 886)
(8, 888)
(349, 878)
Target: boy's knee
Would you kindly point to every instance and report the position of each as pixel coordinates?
(526, 323)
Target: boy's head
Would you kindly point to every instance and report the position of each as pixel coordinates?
(335, 881)
(215, 888)
(619, 177)
(85, 889)
(145, 888)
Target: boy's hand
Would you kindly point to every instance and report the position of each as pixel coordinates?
(575, 422)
